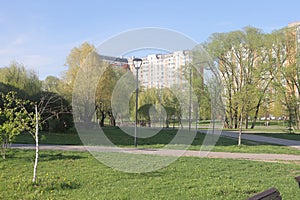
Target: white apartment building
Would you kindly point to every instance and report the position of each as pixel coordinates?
(162, 70)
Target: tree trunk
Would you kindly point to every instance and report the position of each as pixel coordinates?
(112, 119)
(3, 149)
(36, 145)
(103, 116)
(246, 122)
(240, 131)
(231, 120)
(180, 122)
(295, 118)
(235, 120)
(255, 116)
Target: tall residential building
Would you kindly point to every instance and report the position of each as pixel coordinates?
(162, 70)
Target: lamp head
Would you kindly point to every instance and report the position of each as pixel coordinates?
(137, 63)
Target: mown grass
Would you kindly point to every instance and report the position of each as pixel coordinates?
(288, 136)
(50, 138)
(77, 175)
(119, 138)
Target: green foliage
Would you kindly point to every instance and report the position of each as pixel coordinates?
(14, 119)
(75, 60)
(19, 77)
(60, 124)
(26, 86)
(6, 88)
(51, 84)
(247, 69)
(104, 91)
(199, 88)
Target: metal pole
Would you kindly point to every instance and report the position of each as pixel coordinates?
(190, 99)
(136, 106)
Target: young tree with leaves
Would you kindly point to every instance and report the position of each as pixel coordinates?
(16, 116)
(14, 119)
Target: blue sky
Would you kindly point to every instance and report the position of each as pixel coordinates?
(40, 34)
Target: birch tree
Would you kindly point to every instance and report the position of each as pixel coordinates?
(20, 117)
(49, 106)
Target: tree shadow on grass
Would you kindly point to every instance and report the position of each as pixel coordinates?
(58, 156)
(43, 156)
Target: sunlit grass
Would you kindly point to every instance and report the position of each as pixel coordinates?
(288, 136)
(77, 175)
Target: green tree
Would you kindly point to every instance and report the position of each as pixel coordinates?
(242, 59)
(171, 104)
(51, 84)
(75, 60)
(147, 98)
(199, 89)
(287, 81)
(13, 119)
(84, 92)
(104, 92)
(18, 76)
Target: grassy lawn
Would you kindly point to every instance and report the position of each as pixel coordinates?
(77, 175)
(288, 136)
(159, 140)
(50, 138)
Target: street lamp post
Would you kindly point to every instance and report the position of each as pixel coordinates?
(190, 100)
(137, 63)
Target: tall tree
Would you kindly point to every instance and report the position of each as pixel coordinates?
(85, 88)
(105, 89)
(74, 62)
(241, 57)
(287, 82)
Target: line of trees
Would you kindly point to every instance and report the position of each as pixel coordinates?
(259, 73)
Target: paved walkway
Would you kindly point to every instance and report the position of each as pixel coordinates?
(169, 152)
(166, 152)
(264, 139)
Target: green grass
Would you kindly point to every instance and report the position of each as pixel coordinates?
(50, 138)
(77, 175)
(159, 140)
(273, 127)
(288, 136)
